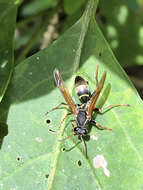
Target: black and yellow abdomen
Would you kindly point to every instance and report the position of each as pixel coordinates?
(82, 89)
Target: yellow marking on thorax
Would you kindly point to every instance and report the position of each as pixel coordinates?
(84, 95)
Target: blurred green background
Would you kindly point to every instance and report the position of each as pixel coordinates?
(39, 23)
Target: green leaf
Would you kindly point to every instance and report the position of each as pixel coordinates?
(8, 12)
(122, 26)
(30, 152)
(36, 6)
(72, 6)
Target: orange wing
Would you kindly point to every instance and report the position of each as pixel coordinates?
(60, 84)
(96, 95)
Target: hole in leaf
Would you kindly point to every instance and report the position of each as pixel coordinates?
(100, 54)
(48, 121)
(53, 131)
(18, 158)
(47, 175)
(79, 163)
(63, 149)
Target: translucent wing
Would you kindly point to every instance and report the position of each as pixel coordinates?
(95, 95)
(60, 84)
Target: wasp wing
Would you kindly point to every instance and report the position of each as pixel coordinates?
(60, 84)
(95, 95)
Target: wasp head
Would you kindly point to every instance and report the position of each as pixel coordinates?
(80, 131)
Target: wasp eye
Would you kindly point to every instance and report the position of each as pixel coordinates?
(85, 132)
(76, 129)
(80, 131)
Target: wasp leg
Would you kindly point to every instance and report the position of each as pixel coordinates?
(84, 149)
(56, 107)
(73, 124)
(106, 108)
(61, 140)
(69, 135)
(65, 118)
(97, 109)
(96, 76)
(53, 131)
(99, 126)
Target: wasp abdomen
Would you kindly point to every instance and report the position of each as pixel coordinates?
(82, 89)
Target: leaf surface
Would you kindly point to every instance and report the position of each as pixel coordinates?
(33, 158)
(8, 10)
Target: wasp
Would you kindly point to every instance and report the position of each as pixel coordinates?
(82, 112)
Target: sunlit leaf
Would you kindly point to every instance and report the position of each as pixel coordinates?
(32, 157)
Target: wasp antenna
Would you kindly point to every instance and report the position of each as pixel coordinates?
(61, 140)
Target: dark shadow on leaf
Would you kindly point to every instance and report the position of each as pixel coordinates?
(3, 132)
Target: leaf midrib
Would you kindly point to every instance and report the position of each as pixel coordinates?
(86, 17)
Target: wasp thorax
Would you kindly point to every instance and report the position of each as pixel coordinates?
(81, 118)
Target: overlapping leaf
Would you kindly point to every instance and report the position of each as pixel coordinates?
(7, 18)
